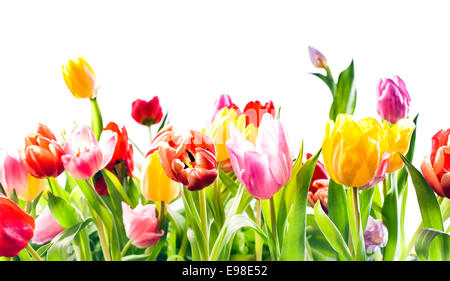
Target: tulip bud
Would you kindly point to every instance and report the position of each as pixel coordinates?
(16, 228)
(141, 225)
(317, 59)
(13, 172)
(80, 78)
(376, 235)
(147, 113)
(392, 99)
(46, 227)
(436, 167)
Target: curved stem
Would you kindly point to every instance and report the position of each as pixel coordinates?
(33, 253)
(125, 248)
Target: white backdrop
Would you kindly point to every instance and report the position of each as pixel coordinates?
(190, 52)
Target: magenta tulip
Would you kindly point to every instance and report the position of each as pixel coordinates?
(46, 227)
(84, 156)
(141, 225)
(13, 172)
(392, 99)
(265, 167)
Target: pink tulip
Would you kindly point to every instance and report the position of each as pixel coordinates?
(265, 167)
(13, 172)
(46, 227)
(141, 225)
(392, 99)
(84, 156)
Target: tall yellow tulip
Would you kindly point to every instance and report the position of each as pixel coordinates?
(80, 78)
(155, 184)
(397, 140)
(353, 151)
(219, 131)
(34, 187)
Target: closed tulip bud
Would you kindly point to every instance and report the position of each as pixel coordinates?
(46, 227)
(16, 228)
(147, 113)
(13, 172)
(266, 166)
(155, 184)
(141, 225)
(376, 235)
(80, 78)
(317, 59)
(436, 166)
(392, 99)
(43, 154)
(353, 151)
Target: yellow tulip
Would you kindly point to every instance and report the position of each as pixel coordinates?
(397, 140)
(353, 151)
(80, 78)
(155, 184)
(219, 131)
(34, 187)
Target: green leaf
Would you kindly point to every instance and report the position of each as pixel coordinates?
(59, 250)
(113, 184)
(96, 118)
(163, 122)
(135, 257)
(402, 178)
(337, 207)
(66, 215)
(366, 199)
(294, 243)
(425, 238)
(345, 95)
(229, 183)
(391, 220)
(331, 233)
(327, 80)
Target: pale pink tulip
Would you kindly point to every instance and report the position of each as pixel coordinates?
(265, 167)
(84, 156)
(13, 172)
(46, 227)
(141, 225)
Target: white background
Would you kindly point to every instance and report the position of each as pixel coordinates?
(190, 52)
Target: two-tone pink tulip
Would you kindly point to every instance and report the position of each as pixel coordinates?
(13, 172)
(84, 156)
(265, 167)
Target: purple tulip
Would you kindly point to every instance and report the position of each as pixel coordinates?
(265, 167)
(376, 235)
(392, 99)
(317, 58)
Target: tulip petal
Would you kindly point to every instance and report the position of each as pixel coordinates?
(107, 145)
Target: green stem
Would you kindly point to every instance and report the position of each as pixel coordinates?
(204, 220)
(96, 118)
(102, 238)
(219, 204)
(356, 230)
(125, 248)
(258, 241)
(150, 133)
(273, 219)
(33, 253)
(184, 241)
(408, 249)
(161, 215)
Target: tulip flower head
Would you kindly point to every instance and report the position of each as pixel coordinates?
(80, 78)
(318, 187)
(375, 235)
(392, 99)
(155, 184)
(16, 228)
(266, 166)
(43, 153)
(317, 58)
(84, 156)
(436, 166)
(397, 139)
(222, 102)
(46, 227)
(192, 161)
(141, 225)
(147, 113)
(254, 112)
(353, 151)
(13, 172)
(34, 187)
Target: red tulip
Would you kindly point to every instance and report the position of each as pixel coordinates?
(147, 113)
(436, 167)
(318, 187)
(43, 153)
(190, 160)
(16, 228)
(255, 111)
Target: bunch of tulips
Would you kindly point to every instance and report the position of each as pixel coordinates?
(230, 191)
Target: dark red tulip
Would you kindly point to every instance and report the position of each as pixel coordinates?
(147, 112)
(318, 187)
(16, 228)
